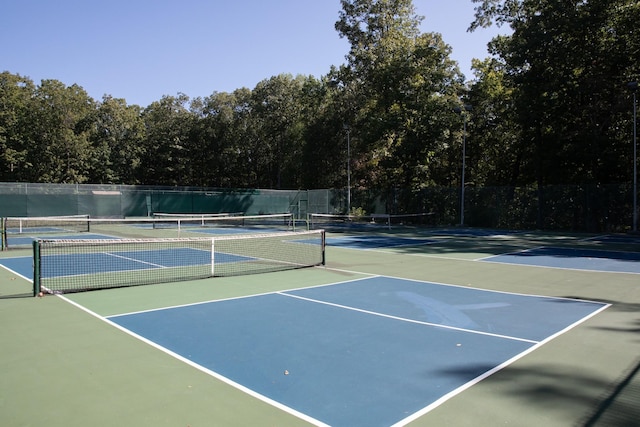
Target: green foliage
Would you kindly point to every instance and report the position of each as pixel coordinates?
(167, 146)
(59, 147)
(15, 96)
(496, 152)
(568, 63)
(358, 212)
(117, 137)
(406, 86)
(549, 107)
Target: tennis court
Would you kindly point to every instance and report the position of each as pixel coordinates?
(376, 242)
(572, 258)
(399, 327)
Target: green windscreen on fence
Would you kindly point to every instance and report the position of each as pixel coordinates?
(577, 207)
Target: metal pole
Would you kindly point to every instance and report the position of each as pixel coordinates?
(348, 129)
(463, 112)
(635, 164)
(464, 155)
(348, 172)
(633, 86)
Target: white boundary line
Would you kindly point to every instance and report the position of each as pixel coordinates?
(426, 409)
(305, 417)
(201, 368)
(456, 286)
(419, 241)
(15, 272)
(492, 371)
(488, 260)
(388, 316)
(235, 298)
(521, 251)
(131, 259)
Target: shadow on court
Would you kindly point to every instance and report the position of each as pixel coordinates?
(16, 295)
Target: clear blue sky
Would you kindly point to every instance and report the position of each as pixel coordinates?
(140, 50)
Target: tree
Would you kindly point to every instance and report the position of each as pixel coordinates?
(116, 138)
(59, 149)
(569, 61)
(221, 134)
(326, 113)
(166, 152)
(406, 85)
(15, 97)
(276, 104)
(497, 152)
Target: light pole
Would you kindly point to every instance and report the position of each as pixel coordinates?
(463, 113)
(348, 129)
(634, 87)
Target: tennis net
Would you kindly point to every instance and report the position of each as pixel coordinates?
(162, 215)
(348, 222)
(21, 232)
(371, 222)
(283, 221)
(44, 225)
(79, 265)
(415, 219)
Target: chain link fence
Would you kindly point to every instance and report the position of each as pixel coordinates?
(591, 208)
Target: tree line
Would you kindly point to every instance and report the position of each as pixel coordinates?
(550, 105)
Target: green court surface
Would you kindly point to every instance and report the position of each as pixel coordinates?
(63, 364)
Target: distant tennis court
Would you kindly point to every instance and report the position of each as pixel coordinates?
(375, 242)
(573, 258)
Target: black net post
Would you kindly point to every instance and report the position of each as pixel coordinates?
(3, 234)
(36, 268)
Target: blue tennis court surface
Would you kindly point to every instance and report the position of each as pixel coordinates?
(210, 229)
(370, 352)
(14, 230)
(375, 242)
(579, 259)
(470, 232)
(117, 261)
(616, 238)
(233, 230)
(22, 266)
(103, 262)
